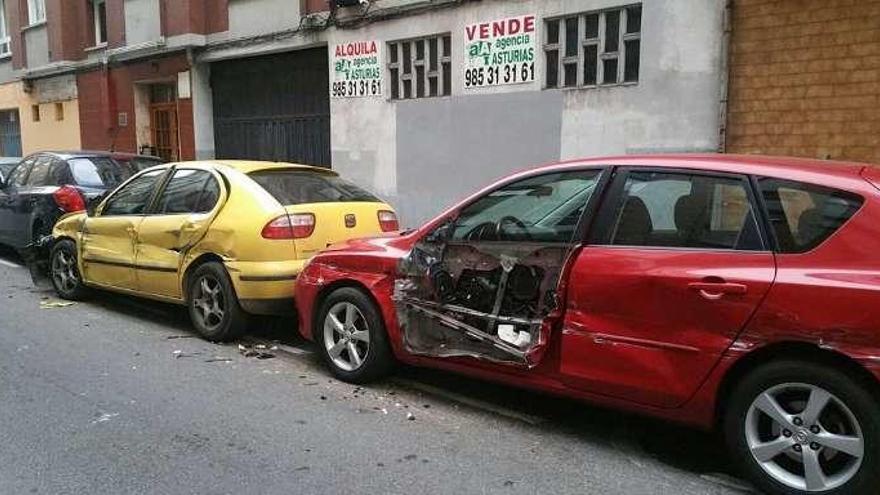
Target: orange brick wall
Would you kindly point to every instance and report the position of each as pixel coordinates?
(805, 78)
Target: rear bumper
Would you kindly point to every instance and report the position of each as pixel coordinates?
(265, 287)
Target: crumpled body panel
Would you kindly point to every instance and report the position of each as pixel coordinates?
(487, 300)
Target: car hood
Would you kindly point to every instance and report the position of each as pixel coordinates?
(392, 244)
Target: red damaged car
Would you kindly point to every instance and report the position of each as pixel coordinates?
(732, 292)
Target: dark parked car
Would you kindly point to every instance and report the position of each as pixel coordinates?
(7, 163)
(46, 185)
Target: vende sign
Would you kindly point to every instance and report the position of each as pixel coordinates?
(357, 69)
(500, 52)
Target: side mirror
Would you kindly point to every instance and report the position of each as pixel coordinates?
(441, 233)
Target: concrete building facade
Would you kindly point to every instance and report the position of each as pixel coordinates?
(424, 151)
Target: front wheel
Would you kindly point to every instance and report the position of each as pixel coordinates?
(350, 336)
(64, 271)
(798, 427)
(213, 305)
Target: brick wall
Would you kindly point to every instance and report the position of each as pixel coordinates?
(805, 78)
(105, 93)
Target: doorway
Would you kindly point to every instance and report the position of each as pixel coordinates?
(163, 121)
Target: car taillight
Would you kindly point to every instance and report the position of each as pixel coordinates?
(388, 221)
(294, 226)
(69, 199)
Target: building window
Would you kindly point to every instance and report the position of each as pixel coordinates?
(35, 113)
(59, 111)
(5, 40)
(36, 11)
(593, 49)
(99, 17)
(420, 68)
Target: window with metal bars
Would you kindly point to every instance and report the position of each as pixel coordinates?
(593, 49)
(421, 67)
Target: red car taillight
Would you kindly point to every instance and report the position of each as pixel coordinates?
(295, 226)
(388, 221)
(69, 199)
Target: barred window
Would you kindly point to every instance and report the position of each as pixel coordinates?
(593, 49)
(421, 67)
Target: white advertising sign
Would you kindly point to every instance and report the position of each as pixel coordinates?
(500, 52)
(357, 69)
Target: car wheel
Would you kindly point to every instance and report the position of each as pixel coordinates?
(798, 427)
(213, 305)
(350, 336)
(64, 270)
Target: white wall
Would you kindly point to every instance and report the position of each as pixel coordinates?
(142, 23)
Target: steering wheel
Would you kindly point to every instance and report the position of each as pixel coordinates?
(499, 227)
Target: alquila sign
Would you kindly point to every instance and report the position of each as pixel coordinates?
(500, 52)
(357, 69)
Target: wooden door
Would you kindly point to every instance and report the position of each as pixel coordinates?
(163, 124)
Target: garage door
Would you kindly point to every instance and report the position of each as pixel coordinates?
(274, 107)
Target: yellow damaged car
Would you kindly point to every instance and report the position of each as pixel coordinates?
(226, 238)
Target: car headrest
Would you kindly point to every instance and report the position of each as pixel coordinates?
(634, 227)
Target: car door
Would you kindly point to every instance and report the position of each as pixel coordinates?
(482, 284)
(11, 211)
(675, 269)
(109, 237)
(185, 209)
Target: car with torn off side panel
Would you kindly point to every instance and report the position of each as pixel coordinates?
(226, 238)
(738, 293)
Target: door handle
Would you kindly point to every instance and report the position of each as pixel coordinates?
(714, 291)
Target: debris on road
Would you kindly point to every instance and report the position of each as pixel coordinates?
(51, 304)
(180, 354)
(218, 360)
(173, 337)
(410, 416)
(104, 417)
(259, 351)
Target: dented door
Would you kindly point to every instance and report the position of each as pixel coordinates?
(483, 283)
(183, 213)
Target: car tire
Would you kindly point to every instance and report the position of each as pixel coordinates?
(213, 305)
(64, 271)
(779, 455)
(358, 330)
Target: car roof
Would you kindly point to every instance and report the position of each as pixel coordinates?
(248, 166)
(827, 172)
(67, 155)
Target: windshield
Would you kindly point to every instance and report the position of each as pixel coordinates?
(99, 172)
(293, 187)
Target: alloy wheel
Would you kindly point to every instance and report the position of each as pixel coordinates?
(64, 271)
(209, 302)
(804, 437)
(346, 336)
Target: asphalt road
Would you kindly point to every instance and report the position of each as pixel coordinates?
(116, 396)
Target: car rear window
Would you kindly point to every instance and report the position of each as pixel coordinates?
(293, 187)
(804, 215)
(138, 163)
(98, 172)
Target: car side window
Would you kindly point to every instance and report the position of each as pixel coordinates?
(189, 191)
(543, 208)
(680, 210)
(39, 175)
(19, 174)
(803, 215)
(133, 198)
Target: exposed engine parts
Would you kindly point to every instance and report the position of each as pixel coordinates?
(477, 299)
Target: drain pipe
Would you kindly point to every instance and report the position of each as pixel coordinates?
(724, 70)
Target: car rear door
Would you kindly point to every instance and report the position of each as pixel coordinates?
(675, 269)
(109, 237)
(185, 208)
(10, 207)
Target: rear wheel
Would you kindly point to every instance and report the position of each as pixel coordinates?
(350, 336)
(64, 271)
(798, 427)
(213, 305)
